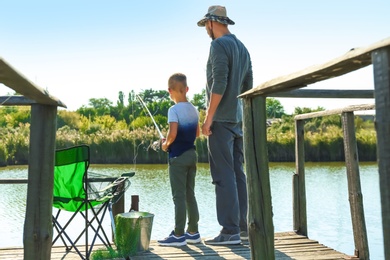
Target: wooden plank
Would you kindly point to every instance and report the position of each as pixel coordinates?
(325, 93)
(16, 101)
(260, 225)
(308, 249)
(354, 186)
(353, 60)
(25, 181)
(279, 243)
(16, 81)
(13, 181)
(381, 65)
(336, 111)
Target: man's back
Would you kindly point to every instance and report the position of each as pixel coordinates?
(229, 73)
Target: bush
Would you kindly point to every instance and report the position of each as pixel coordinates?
(3, 155)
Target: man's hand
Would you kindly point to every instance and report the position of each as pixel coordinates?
(215, 99)
(206, 128)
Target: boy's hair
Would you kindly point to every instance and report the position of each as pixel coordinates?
(177, 77)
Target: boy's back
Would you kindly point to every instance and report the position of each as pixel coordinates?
(186, 115)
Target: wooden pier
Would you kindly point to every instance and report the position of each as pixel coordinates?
(288, 245)
(264, 243)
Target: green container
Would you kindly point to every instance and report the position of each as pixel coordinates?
(133, 231)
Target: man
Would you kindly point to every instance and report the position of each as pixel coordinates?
(229, 73)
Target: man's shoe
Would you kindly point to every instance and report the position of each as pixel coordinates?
(244, 235)
(173, 240)
(224, 239)
(192, 238)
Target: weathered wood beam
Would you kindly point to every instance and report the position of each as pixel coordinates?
(260, 224)
(381, 66)
(337, 111)
(16, 101)
(355, 59)
(325, 93)
(354, 187)
(38, 230)
(299, 186)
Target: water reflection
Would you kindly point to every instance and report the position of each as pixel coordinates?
(328, 210)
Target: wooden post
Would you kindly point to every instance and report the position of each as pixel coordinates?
(354, 187)
(381, 65)
(134, 203)
(38, 230)
(299, 186)
(119, 206)
(260, 224)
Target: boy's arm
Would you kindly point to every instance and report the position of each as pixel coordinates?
(171, 136)
(197, 130)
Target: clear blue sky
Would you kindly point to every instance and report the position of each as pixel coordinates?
(79, 50)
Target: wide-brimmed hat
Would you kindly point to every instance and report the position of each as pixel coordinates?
(216, 13)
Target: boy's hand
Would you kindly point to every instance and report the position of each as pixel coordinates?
(164, 145)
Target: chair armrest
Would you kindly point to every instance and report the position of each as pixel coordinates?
(128, 174)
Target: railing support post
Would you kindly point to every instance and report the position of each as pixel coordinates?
(354, 187)
(299, 187)
(381, 64)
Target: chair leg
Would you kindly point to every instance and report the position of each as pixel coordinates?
(62, 229)
(104, 240)
(112, 219)
(61, 232)
(99, 232)
(90, 224)
(58, 228)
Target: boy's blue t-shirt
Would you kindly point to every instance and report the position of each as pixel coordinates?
(187, 117)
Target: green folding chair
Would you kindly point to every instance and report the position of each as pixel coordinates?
(73, 192)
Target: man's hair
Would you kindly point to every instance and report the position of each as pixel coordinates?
(177, 77)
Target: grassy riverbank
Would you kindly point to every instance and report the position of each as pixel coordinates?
(125, 146)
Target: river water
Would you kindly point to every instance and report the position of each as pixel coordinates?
(329, 220)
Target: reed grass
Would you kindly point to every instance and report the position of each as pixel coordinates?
(123, 146)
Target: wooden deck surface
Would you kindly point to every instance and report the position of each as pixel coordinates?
(288, 245)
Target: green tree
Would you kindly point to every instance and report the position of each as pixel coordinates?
(97, 107)
(151, 96)
(13, 116)
(101, 105)
(305, 110)
(274, 108)
(199, 100)
(121, 97)
(69, 118)
(88, 112)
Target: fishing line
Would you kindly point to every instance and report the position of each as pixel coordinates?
(9, 96)
(135, 149)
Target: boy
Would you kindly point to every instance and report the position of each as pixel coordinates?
(183, 119)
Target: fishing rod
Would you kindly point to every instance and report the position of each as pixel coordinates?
(156, 144)
(150, 114)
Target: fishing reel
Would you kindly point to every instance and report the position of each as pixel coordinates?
(156, 145)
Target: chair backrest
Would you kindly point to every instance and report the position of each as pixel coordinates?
(70, 175)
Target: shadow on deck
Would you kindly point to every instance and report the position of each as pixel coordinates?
(288, 245)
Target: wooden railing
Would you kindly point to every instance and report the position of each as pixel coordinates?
(353, 176)
(260, 223)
